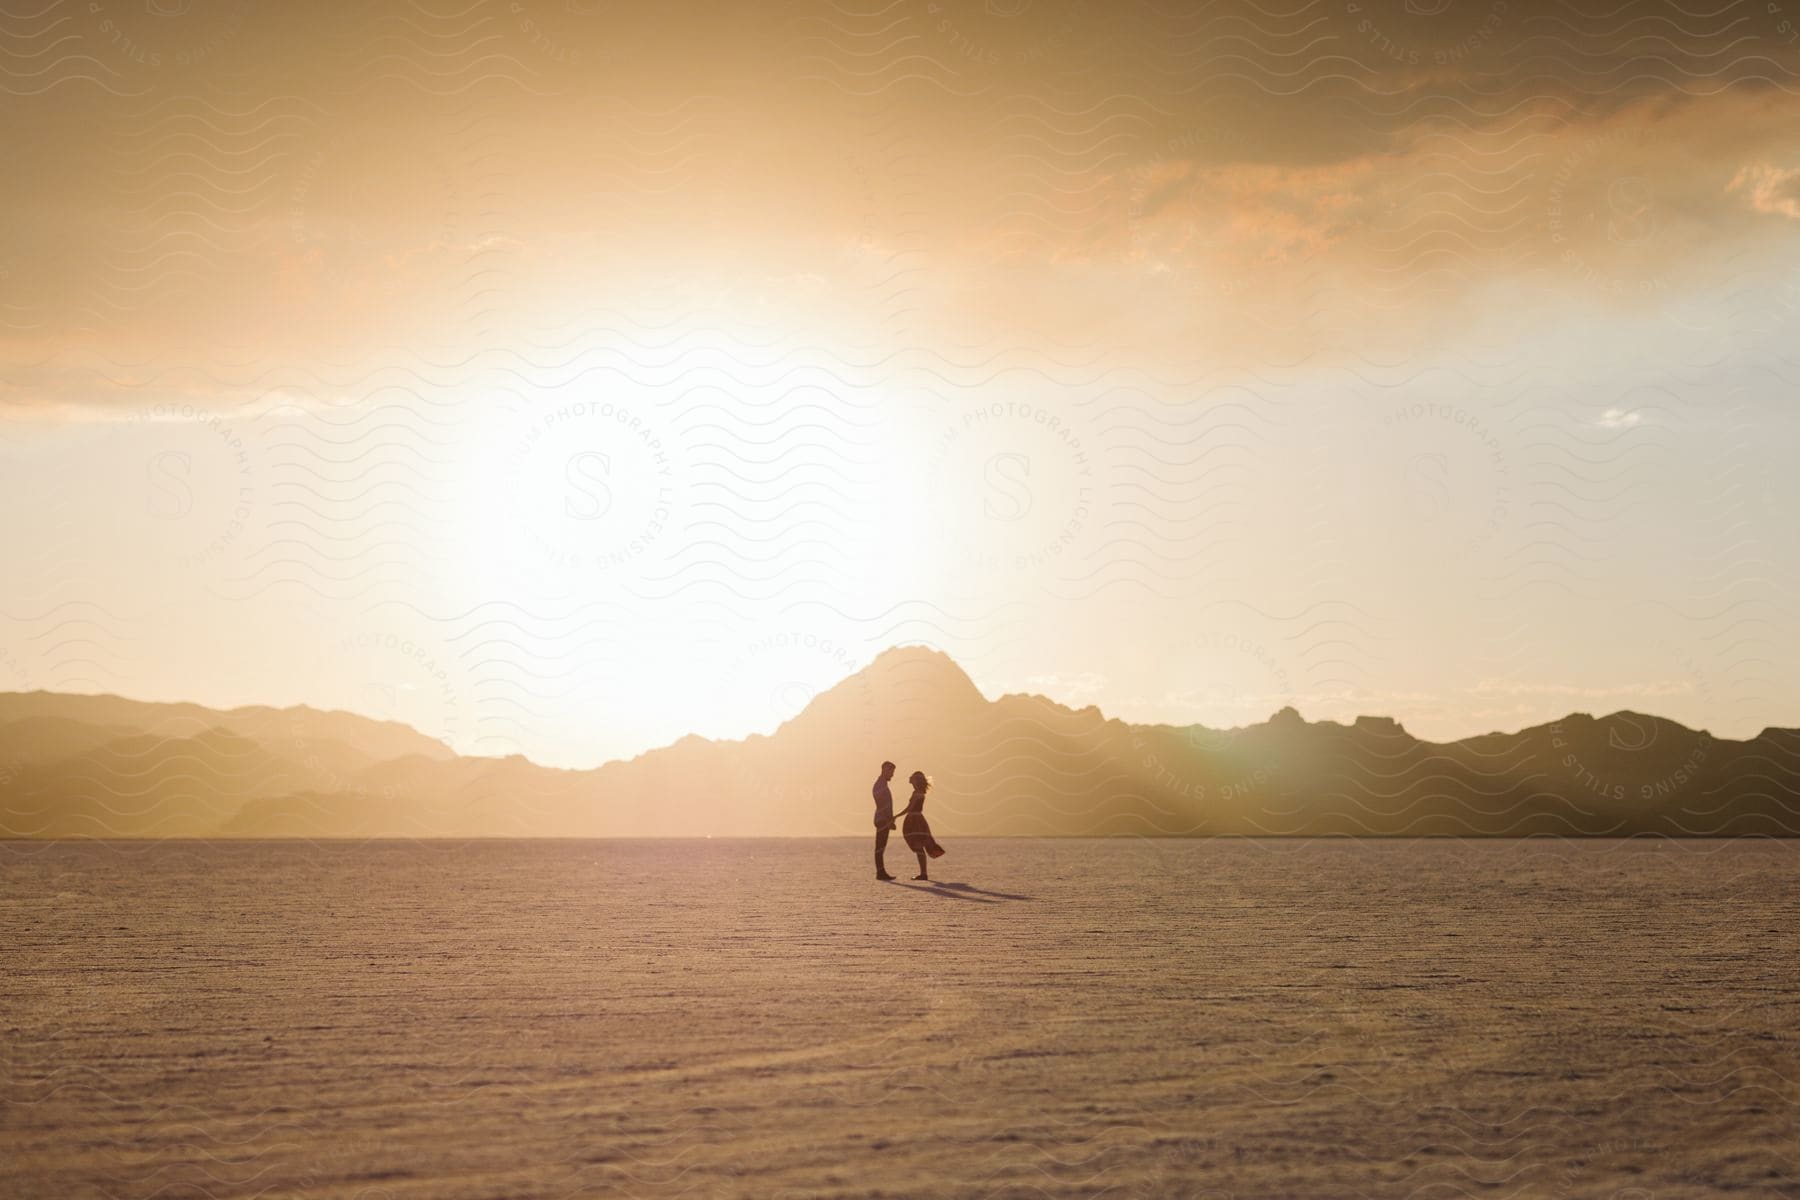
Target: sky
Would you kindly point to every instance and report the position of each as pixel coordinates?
(563, 377)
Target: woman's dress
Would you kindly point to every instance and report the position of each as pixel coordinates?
(917, 833)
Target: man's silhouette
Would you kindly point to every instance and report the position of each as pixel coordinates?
(884, 818)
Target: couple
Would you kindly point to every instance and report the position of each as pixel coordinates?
(916, 832)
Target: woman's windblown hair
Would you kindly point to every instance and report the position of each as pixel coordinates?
(920, 781)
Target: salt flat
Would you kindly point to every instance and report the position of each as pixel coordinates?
(761, 1018)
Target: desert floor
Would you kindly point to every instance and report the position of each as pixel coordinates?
(762, 1018)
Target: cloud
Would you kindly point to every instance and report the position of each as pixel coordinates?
(1248, 213)
(1652, 687)
(1770, 189)
(1618, 418)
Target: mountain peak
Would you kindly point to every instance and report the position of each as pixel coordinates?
(915, 653)
(921, 667)
(904, 684)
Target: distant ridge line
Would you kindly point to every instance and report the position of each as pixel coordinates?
(95, 765)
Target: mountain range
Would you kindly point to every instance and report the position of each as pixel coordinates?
(102, 766)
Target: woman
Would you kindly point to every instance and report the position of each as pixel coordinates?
(916, 832)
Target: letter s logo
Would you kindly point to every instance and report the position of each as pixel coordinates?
(387, 703)
(1628, 733)
(791, 698)
(1008, 495)
(169, 495)
(1632, 202)
(589, 497)
(1428, 475)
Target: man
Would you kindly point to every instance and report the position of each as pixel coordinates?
(884, 818)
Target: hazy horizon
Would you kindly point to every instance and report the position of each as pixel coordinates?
(987, 694)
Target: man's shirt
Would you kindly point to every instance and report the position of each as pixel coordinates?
(884, 804)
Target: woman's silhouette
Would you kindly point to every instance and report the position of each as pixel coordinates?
(916, 832)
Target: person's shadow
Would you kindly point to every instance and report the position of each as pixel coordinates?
(962, 891)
